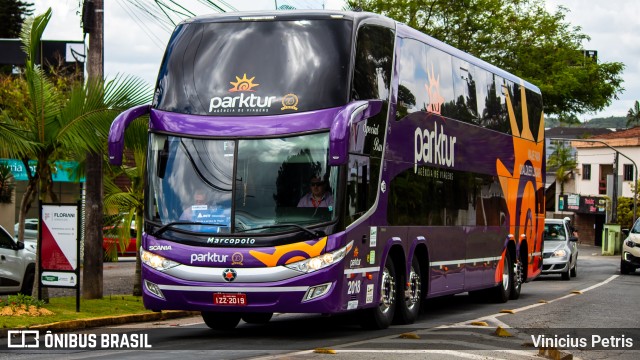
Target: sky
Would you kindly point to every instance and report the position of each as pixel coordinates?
(135, 43)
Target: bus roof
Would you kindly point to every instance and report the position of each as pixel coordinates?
(290, 15)
(402, 30)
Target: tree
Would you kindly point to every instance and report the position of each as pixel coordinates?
(633, 116)
(128, 205)
(55, 126)
(12, 15)
(564, 163)
(520, 36)
(625, 212)
(569, 120)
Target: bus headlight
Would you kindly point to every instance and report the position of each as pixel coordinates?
(322, 261)
(156, 261)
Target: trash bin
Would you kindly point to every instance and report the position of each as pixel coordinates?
(611, 239)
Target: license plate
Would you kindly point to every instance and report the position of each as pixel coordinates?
(230, 299)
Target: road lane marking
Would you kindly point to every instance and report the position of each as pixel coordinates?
(459, 354)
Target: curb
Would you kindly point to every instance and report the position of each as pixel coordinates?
(107, 321)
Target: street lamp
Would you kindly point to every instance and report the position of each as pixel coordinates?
(635, 176)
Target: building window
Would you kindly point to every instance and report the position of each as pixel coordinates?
(586, 171)
(628, 172)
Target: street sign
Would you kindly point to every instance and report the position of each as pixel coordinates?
(59, 247)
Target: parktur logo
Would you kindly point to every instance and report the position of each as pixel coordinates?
(242, 101)
(434, 147)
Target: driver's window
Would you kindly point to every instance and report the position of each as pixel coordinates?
(358, 188)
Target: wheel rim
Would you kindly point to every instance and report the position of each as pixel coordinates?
(413, 292)
(517, 269)
(505, 273)
(388, 291)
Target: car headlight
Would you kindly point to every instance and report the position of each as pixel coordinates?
(156, 261)
(559, 253)
(630, 243)
(320, 262)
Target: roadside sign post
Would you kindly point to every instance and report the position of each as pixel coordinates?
(59, 247)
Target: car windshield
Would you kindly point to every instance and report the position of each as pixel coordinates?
(554, 232)
(247, 187)
(636, 227)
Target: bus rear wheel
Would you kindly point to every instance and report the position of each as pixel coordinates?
(380, 317)
(409, 302)
(220, 321)
(257, 318)
(502, 292)
(518, 279)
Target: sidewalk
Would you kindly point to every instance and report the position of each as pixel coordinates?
(591, 250)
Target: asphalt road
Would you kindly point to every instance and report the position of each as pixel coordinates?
(599, 301)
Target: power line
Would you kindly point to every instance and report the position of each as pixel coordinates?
(142, 24)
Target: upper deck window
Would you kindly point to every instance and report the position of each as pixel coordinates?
(255, 68)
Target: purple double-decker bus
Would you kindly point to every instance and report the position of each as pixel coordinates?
(327, 162)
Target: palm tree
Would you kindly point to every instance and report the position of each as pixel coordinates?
(633, 116)
(55, 126)
(563, 161)
(128, 204)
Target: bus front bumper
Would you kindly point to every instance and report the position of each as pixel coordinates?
(306, 293)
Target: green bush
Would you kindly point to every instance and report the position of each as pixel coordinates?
(15, 301)
(625, 212)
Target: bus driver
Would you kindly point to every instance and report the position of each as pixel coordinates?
(318, 196)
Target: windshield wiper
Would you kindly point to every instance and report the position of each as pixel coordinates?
(174, 223)
(275, 226)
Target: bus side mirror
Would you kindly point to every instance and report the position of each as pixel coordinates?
(118, 127)
(340, 131)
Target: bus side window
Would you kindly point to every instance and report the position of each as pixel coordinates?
(357, 188)
(374, 56)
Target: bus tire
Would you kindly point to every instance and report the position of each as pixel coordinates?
(518, 279)
(257, 318)
(409, 300)
(380, 316)
(220, 320)
(503, 290)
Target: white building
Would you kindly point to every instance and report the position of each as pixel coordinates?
(593, 180)
(596, 161)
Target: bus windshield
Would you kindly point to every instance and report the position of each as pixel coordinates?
(255, 68)
(253, 186)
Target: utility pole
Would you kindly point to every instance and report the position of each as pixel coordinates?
(93, 23)
(614, 201)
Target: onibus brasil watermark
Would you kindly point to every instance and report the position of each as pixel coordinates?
(32, 339)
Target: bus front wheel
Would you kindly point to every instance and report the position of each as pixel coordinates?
(220, 321)
(380, 317)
